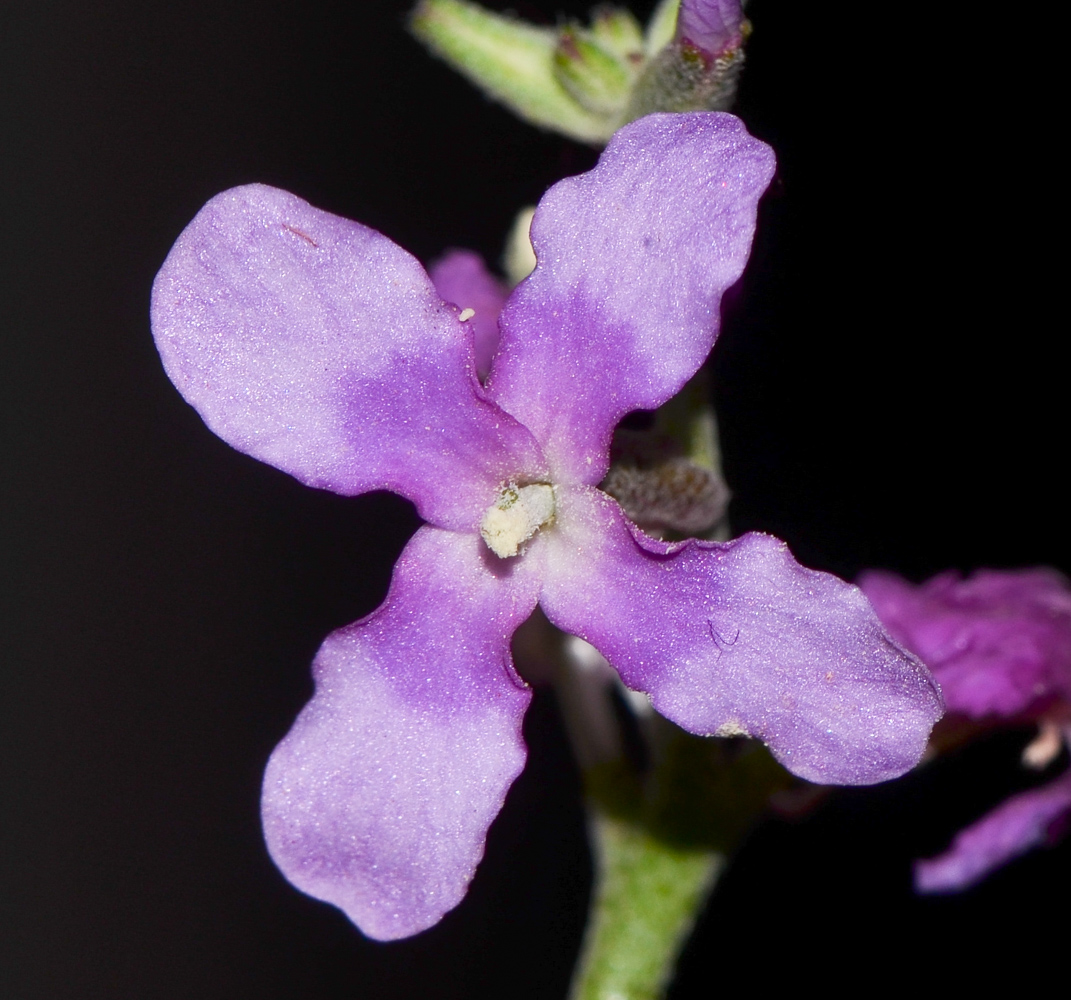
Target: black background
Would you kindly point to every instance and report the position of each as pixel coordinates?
(890, 392)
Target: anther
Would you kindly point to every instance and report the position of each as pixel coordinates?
(517, 514)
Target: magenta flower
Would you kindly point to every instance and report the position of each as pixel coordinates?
(316, 344)
(999, 643)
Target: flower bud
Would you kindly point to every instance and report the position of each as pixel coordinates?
(712, 27)
(618, 31)
(587, 82)
(511, 62)
(700, 68)
(595, 76)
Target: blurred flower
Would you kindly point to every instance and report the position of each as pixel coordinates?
(317, 345)
(999, 643)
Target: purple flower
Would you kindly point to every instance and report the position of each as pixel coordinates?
(999, 643)
(711, 26)
(316, 344)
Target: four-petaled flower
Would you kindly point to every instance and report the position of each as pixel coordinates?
(999, 642)
(318, 345)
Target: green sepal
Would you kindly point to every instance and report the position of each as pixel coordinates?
(519, 259)
(618, 30)
(512, 62)
(661, 27)
(596, 77)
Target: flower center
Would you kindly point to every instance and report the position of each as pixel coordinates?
(517, 514)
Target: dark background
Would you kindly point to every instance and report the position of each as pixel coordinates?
(890, 394)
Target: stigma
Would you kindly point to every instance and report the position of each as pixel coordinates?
(517, 514)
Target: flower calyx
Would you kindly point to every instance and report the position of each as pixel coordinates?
(598, 67)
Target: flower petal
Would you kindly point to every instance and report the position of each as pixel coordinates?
(379, 798)
(737, 638)
(1013, 828)
(997, 642)
(317, 345)
(461, 277)
(633, 258)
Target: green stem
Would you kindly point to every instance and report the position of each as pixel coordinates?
(645, 899)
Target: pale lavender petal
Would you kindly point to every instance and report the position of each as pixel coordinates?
(712, 26)
(633, 258)
(997, 642)
(317, 345)
(737, 638)
(1016, 826)
(379, 798)
(461, 277)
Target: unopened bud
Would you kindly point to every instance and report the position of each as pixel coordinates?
(700, 68)
(510, 61)
(595, 76)
(586, 82)
(713, 27)
(617, 30)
